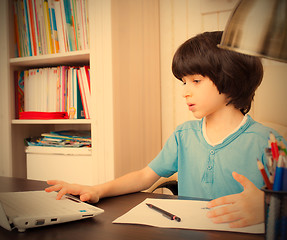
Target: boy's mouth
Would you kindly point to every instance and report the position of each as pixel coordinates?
(190, 106)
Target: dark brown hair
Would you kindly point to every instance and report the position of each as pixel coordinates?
(234, 74)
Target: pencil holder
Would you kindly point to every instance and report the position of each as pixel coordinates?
(275, 213)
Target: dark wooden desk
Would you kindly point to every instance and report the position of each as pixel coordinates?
(101, 227)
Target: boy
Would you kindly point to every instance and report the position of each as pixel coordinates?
(219, 86)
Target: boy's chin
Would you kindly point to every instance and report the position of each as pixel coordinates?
(197, 115)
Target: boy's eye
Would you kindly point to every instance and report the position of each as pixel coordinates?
(196, 81)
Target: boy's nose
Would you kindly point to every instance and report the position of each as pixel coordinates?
(186, 92)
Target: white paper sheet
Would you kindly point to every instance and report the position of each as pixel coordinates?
(192, 214)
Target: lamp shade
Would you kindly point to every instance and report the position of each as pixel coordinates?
(259, 28)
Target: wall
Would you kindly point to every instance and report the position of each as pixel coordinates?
(136, 83)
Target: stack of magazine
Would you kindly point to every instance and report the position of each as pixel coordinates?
(68, 138)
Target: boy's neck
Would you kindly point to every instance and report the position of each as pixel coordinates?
(221, 124)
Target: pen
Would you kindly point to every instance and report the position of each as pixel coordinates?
(164, 213)
(278, 180)
(274, 146)
(264, 175)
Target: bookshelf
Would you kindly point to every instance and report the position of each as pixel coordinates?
(125, 124)
(68, 58)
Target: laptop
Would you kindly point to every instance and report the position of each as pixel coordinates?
(23, 210)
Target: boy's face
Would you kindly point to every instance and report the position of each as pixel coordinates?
(202, 96)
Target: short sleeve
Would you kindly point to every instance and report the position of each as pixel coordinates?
(166, 162)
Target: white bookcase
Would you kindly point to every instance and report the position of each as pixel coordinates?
(125, 123)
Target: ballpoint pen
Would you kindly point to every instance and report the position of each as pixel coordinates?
(164, 213)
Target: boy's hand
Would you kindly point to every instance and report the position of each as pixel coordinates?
(242, 209)
(87, 193)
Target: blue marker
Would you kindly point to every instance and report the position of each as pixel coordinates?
(278, 181)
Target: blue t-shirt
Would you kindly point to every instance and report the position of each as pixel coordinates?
(205, 171)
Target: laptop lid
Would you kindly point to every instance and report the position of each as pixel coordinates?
(3, 219)
(31, 209)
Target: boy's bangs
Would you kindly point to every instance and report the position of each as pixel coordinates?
(184, 66)
(191, 58)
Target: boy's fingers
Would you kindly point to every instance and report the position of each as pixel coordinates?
(221, 211)
(226, 218)
(85, 197)
(239, 224)
(223, 200)
(61, 193)
(53, 182)
(54, 188)
(244, 181)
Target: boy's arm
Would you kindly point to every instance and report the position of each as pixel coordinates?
(131, 182)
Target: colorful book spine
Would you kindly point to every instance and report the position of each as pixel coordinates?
(41, 25)
(33, 33)
(50, 46)
(19, 92)
(86, 19)
(60, 26)
(16, 29)
(27, 28)
(53, 25)
(78, 103)
(75, 24)
(37, 28)
(69, 25)
(84, 90)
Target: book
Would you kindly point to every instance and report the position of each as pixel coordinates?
(41, 25)
(53, 25)
(60, 26)
(66, 138)
(77, 97)
(27, 28)
(69, 25)
(55, 89)
(26, 90)
(50, 26)
(50, 45)
(70, 134)
(80, 24)
(19, 93)
(33, 34)
(85, 92)
(75, 106)
(74, 24)
(16, 29)
(43, 115)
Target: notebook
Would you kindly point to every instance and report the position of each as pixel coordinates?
(31, 209)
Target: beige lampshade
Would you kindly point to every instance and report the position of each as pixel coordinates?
(258, 27)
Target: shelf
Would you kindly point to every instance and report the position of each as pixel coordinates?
(53, 121)
(68, 58)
